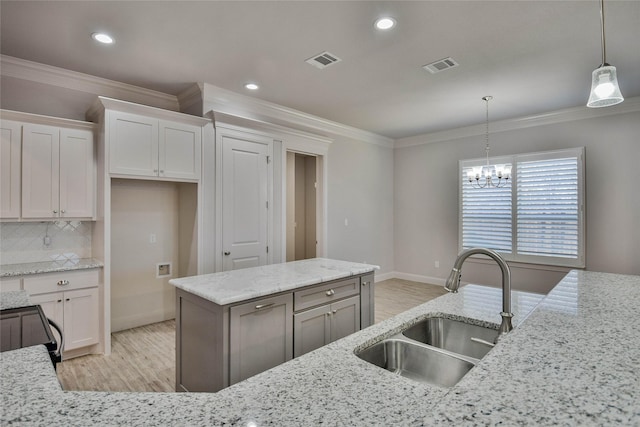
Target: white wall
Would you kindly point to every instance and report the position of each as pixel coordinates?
(360, 190)
(426, 198)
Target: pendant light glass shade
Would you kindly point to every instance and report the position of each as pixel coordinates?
(604, 87)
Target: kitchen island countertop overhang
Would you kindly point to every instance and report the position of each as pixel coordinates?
(571, 361)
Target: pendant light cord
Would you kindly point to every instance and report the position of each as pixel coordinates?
(604, 46)
(486, 133)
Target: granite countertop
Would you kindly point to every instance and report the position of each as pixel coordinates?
(11, 270)
(571, 361)
(240, 285)
(13, 299)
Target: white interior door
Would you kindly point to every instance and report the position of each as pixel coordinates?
(245, 199)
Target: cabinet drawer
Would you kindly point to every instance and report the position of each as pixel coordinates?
(328, 292)
(63, 281)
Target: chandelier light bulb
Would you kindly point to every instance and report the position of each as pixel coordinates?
(605, 87)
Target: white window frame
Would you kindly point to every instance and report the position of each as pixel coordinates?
(514, 160)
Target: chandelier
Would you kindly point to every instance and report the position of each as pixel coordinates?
(604, 82)
(488, 176)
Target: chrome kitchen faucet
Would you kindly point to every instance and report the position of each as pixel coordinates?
(453, 282)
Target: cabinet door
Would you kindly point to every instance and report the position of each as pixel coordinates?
(76, 174)
(133, 144)
(367, 301)
(40, 171)
(180, 148)
(260, 336)
(345, 317)
(81, 325)
(53, 306)
(10, 155)
(311, 329)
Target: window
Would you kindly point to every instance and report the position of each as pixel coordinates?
(538, 217)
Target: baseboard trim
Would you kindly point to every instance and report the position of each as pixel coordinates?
(413, 277)
(134, 321)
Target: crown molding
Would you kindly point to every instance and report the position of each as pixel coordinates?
(235, 104)
(19, 116)
(103, 103)
(60, 77)
(630, 105)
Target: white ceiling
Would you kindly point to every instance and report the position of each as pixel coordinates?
(532, 56)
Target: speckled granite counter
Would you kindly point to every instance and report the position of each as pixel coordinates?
(13, 299)
(240, 285)
(572, 361)
(12, 270)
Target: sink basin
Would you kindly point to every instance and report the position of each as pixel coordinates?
(417, 361)
(452, 335)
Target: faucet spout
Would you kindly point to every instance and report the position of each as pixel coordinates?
(453, 281)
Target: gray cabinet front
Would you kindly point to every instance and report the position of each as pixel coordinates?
(321, 325)
(260, 336)
(367, 301)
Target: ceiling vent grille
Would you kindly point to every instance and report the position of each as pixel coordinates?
(440, 65)
(323, 60)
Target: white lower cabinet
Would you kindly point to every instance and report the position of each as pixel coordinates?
(321, 325)
(75, 310)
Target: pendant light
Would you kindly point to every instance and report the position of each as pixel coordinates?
(488, 175)
(604, 81)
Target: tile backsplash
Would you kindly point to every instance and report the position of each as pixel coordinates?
(25, 242)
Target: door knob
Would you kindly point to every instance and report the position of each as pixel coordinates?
(227, 253)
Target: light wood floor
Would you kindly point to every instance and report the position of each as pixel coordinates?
(143, 359)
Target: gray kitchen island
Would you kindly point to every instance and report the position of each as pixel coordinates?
(235, 324)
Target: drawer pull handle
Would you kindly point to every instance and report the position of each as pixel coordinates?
(334, 311)
(330, 292)
(261, 306)
(63, 282)
(365, 283)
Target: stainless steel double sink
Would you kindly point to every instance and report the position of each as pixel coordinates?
(436, 350)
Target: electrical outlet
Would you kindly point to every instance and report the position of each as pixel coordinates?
(346, 222)
(46, 240)
(437, 264)
(153, 238)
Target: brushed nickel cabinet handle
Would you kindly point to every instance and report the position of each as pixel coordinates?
(261, 306)
(227, 253)
(63, 282)
(330, 292)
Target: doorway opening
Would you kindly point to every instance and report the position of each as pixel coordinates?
(302, 179)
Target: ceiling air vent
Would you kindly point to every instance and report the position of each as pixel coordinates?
(440, 65)
(323, 60)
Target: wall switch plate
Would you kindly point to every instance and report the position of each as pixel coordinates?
(437, 264)
(163, 269)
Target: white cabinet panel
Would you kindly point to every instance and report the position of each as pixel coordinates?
(77, 172)
(40, 171)
(133, 144)
(10, 167)
(81, 326)
(180, 148)
(58, 172)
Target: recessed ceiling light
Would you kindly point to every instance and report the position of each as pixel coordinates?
(385, 23)
(102, 38)
(251, 86)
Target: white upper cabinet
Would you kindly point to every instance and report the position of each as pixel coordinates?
(57, 172)
(10, 148)
(133, 148)
(180, 150)
(148, 142)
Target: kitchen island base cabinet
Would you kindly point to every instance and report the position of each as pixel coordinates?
(260, 336)
(321, 325)
(217, 346)
(220, 345)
